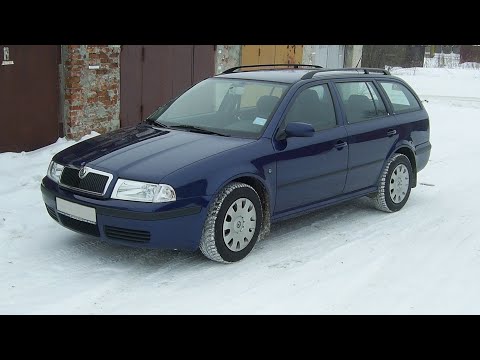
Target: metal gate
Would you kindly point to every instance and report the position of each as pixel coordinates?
(329, 56)
(271, 54)
(151, 75)
(29, 96)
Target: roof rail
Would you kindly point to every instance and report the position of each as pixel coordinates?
(295, 66)
(310, 74)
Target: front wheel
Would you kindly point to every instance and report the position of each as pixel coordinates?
(233, 223)
(395, 184)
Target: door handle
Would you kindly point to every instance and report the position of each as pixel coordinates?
(340, 144)
(391, 132)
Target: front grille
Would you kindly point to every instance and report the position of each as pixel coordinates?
(80, 226)
(127, 234)
(92, 182)
(51, 212)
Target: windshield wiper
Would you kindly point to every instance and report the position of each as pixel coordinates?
(150, 121)
(157, 123)
(196, 129)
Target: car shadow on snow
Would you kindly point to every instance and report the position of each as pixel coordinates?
(107, 253)
(336, 217)
(346, 212)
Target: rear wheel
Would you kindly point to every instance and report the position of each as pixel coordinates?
(395, 184)
(233, 223)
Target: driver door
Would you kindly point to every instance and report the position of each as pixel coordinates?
(311, 169)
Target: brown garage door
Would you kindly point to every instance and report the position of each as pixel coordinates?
(150, 75)
(28, 96)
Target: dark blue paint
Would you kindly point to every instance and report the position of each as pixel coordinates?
(310, 169)
(369, 146)
(146, 150)
(297, 129)
(300, 174)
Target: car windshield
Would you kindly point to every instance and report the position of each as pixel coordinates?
(229, 107)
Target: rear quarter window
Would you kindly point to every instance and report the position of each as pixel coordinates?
(401, 98)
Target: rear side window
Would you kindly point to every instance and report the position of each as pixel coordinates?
(361, 101)
(401, 98)
(379, 105)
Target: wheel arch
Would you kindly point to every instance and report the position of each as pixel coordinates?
(410, 154)
(260, 186)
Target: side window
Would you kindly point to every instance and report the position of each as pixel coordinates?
(313, 106)
(377, 100)
(401, 98)
(361, 101)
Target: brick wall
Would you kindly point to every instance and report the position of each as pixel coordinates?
(91, 97)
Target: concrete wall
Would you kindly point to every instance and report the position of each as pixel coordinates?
(353, 55)
(308, 57)
(227, 56)
(91, 96)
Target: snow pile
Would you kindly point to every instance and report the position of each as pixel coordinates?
(35, 162)
(349, 258)
(21, 206)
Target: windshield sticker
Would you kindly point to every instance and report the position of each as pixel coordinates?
(259, 121)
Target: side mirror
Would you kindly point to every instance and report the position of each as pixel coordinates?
(299, 129)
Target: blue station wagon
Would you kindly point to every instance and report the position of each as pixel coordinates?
(214, 167)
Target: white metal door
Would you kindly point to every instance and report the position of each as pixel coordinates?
(329, 56)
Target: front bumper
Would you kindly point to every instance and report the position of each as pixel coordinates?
(175, 225)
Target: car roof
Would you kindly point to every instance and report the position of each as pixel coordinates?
(290, 76)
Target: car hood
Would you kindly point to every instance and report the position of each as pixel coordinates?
(144, 152)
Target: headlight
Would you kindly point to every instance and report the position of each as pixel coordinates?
(55, 171)
(144, 192)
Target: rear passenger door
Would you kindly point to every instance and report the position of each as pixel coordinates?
(411, 117)
(372, 132)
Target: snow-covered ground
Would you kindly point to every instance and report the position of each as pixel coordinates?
(349, 258)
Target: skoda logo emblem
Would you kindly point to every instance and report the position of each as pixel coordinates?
(83, 172)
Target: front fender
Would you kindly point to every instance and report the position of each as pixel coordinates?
(208, 176)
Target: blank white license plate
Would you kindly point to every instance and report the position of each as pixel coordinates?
(76, 211)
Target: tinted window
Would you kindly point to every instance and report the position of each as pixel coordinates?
(313, 106)
(361, 101)
(401, 98)
(379, 105)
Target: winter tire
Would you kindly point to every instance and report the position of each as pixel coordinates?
(395, 184)
(233, 224)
